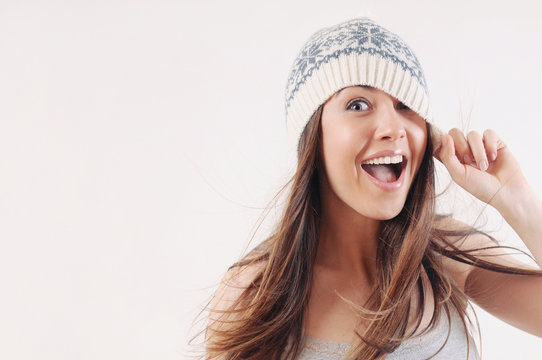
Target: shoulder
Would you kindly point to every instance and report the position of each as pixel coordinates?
(240, 277)
(227, 304)
(465, 238)
(456, 235)
(236, 280)
(231, 291)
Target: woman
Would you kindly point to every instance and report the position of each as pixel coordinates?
(360, 265)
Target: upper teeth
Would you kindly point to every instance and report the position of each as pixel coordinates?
(386, 160)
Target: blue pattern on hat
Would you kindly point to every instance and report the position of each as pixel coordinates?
(354, 36)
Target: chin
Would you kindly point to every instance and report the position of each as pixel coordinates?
(387, 216)
(382, 212)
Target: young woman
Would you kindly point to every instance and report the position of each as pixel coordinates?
(360, 265)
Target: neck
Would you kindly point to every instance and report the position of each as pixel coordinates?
(348, 241)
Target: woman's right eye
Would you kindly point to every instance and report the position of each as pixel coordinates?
(358, 105)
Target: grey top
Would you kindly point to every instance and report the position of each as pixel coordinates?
(413, 349)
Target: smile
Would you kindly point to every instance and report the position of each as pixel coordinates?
(387, 172)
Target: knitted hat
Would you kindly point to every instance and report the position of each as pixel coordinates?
(355, 52)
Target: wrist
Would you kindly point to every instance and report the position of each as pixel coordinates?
(519, 206)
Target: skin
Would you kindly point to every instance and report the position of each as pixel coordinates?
(358, 122)
(494, 177)
(353, 208)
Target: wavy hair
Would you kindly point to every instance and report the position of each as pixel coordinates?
(266, 320)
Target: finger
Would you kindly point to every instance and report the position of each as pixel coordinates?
(492, 143)
(449, 159)
(478, 150)
(462, 148)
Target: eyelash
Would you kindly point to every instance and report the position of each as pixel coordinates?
(400, 105)
(355, 101)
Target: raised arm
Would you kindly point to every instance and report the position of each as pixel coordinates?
(485, 167)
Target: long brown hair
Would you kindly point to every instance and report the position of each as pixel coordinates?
(266, 321)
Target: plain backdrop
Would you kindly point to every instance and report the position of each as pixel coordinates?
(140, 141)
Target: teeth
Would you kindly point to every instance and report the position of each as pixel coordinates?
(385, 160)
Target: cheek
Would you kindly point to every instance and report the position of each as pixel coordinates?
(340, 149)
(333, 154)
(340, 145)
(419, 143)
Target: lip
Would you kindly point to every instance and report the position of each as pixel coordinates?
(387, 186)
(385, 153)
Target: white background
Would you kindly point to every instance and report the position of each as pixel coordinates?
(140, 140)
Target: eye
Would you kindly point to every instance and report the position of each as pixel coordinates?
(358, 105)
(402, 106)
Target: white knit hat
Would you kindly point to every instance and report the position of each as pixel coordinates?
(355, 52)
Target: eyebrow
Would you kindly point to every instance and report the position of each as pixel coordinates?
(361, 86)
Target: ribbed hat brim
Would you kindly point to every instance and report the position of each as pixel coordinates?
(350, 70)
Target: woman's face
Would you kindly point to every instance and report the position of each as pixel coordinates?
(372, 148)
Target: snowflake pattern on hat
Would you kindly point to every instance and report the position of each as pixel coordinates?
(354, 36)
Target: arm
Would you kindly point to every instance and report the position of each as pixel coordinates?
(489, 171)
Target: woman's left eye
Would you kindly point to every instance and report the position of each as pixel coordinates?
(358, 105)
(402, 106)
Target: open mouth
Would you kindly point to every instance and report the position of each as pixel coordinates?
(387, 169)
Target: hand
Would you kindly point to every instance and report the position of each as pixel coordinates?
(482, 165)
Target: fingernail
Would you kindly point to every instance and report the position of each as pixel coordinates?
(466, 159)
(483, 165)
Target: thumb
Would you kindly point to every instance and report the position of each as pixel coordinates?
(448, 158)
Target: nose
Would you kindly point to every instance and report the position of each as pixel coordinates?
(390, 124)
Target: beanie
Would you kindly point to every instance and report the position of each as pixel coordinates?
(354, 52)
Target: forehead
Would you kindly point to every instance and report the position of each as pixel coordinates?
(366, 87)
(350, 90)
(356, 86)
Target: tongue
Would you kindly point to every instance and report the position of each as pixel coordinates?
(381, 172)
